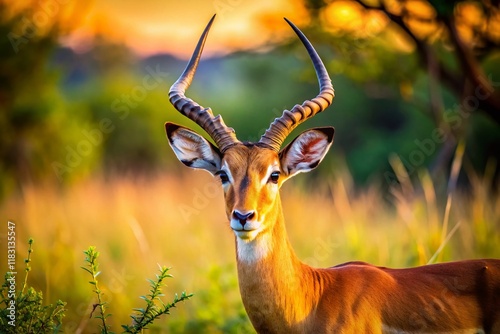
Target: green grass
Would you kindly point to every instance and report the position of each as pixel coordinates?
(179, 221)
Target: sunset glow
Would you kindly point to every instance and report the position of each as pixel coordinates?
(153, 26)
(351, 17)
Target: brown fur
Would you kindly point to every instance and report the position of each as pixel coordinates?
(283, 295)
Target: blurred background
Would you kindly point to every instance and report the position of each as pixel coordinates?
(412, 177)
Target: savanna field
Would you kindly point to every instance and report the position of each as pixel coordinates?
(178, 220)
(413, 176)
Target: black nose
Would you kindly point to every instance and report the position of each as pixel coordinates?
(243, 217)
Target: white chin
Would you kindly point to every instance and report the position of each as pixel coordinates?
(251, 246)
(246, 235)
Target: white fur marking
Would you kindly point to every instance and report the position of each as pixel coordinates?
(250, 251)
(226, 169)
(272, 168)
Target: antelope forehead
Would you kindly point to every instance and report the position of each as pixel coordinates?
(266, 172)
(261, 165)
(254, 169)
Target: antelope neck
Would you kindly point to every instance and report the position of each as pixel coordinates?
(272, 286)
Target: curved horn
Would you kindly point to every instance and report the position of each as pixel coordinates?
(281, 127)
(223, 136)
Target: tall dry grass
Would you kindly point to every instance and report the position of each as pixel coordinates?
(179, 221)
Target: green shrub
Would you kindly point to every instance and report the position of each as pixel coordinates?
(24, 311)
(142, 317)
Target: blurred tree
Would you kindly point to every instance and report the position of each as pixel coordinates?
(18, 64)
(469, 28)
(29, 97)
(456, 45)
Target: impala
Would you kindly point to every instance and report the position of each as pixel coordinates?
(282, 294)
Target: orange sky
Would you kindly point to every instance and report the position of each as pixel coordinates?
(151, 26)
(174, 26)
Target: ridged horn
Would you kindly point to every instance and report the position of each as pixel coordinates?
(281, 127)
(223, 136)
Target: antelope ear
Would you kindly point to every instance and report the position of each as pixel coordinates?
(192, 149)
(306, 151)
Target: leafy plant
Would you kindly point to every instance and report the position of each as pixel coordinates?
(143, 317)
(24, 312)
(155, 307)
(93, 269)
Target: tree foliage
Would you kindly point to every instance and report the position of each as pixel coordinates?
(442, 57)
(411, 78)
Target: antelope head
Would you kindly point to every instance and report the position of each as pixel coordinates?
(282, 294)
(251, 173)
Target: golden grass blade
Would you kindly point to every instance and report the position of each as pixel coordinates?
(452, 184)
(139, 235)
(443, 243)
(401, 174)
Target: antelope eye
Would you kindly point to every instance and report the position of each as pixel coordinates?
(274, 177)
(223, 176)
